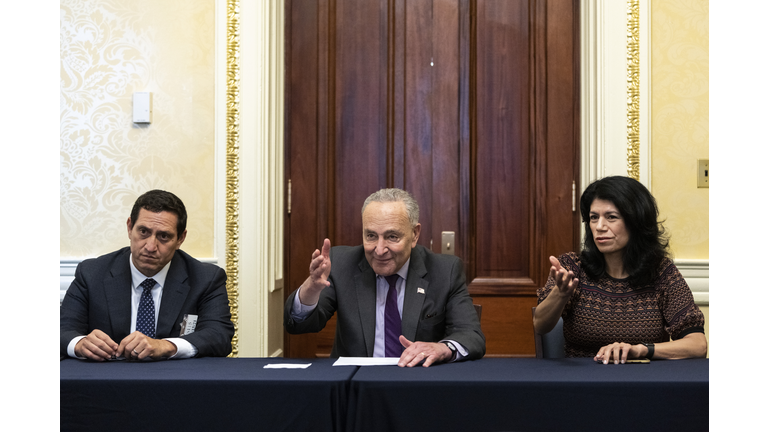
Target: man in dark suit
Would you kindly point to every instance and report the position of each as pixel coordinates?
(140, 295)
(394, 298)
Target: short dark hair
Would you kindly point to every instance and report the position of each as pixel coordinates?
(157, 201)
(648, 243)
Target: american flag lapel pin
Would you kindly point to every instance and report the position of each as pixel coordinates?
(420, 290)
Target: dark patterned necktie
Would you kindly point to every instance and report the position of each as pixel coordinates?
(392, 321)
(145, 317)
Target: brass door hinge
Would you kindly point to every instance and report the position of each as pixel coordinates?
(289, 196)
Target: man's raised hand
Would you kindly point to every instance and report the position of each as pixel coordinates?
(319, 270)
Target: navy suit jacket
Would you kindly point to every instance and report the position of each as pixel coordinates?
(443, 311)
(100, 298)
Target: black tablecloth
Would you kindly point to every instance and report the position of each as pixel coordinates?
(207, 394)
(212, 394)
(532, 395)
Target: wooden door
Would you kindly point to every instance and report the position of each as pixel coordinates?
(472, 106)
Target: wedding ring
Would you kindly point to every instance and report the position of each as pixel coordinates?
(134, 351)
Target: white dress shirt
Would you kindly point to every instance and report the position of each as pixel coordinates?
(184, 349)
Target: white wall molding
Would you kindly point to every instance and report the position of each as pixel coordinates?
(696, 274)
(261, 177)
(645, 93)
(67, 267)
(604, 90)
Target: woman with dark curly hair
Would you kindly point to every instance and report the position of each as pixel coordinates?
(622, 297)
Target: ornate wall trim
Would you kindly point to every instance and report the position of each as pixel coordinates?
(233, 164)
(633, 89)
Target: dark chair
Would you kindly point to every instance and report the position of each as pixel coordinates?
(479, 310)
(552, 344)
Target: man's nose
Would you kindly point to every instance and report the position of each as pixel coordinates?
(151, 244)
(381, 247)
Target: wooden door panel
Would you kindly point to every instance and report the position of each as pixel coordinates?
(470, 105)
(507, 325)
(445, 106)
(562, 127)
(525, 142)
(426, 74)
(418, 94)
(359, 150)
(306, 130)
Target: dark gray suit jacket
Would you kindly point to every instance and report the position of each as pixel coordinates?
(100, 298)
(444, 311)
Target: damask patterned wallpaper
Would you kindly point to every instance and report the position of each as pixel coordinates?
(680, 120)
(110, 49)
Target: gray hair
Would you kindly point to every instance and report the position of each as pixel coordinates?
(396, 195)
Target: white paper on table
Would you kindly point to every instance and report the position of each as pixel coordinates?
(287, 366)
(367, 361)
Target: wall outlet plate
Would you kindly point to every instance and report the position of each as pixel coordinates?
(448, 246)
(702, 173)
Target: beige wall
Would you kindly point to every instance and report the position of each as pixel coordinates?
(680, 121)
(110, 49)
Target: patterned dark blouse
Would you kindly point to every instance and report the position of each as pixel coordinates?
(610, 310)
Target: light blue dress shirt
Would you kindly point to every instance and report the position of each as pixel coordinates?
(300, 311)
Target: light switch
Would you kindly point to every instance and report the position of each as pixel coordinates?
(702, 173)
(142, 107)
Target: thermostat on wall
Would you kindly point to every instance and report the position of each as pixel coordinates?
(142, 107)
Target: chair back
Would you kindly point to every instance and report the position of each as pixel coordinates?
(479, 310)
(552, 344)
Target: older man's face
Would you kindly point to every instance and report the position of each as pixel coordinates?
(388, 236)
(153, 240)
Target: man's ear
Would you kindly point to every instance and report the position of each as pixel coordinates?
(416, 232)
(130, 226)
(181, 239)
